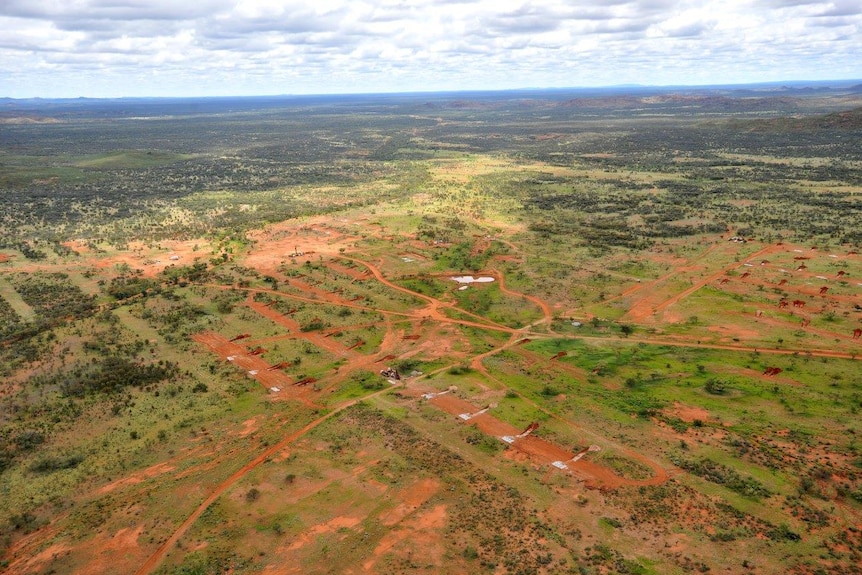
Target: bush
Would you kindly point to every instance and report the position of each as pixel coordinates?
(723, 475)
(715, 386)
(26, 522)
(51, 464)
(28, 440)
(783, 533)
(550, 391)
(459, 369)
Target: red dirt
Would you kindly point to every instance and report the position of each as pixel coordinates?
(411, 497)
(139, 477)
(420, 533)
(309, 535)
(38, 562)
(688, 413)
(224, 348)
(410, 516)
(277, 241)
(249, 426)
(116, 553)
(156, 558)
(541, 451)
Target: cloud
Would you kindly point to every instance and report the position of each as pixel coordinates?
(210, 47)
(842, 8)
(123, 10)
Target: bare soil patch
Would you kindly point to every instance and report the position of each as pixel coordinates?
(543, 452)
(139, 477)
(411, 498)
(254, 365)
(687, 413)
(418, 536)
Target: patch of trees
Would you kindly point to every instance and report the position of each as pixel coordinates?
(175, 320)
(52, 296)
(107, 375)
(10, 322)
(29, 252)
(627, 218)
(603, 231)
(724, 475)
(49, 464)
(124, 287)
(174, 274)
(313, 325)
(226, 299)
(19, 441)
(716, 386)
(458, 257)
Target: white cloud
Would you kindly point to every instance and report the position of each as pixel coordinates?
(169, 47)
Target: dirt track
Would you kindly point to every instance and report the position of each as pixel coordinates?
(158, 556)
(543, 452)
(241, 358)
(640, 311)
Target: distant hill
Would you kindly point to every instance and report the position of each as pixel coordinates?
(846, 120)
(28, 120)
(704, 102)
(758, 100)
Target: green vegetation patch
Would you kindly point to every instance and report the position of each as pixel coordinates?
(52, 296)
(726, 476)
(108, 375)
(131, 159)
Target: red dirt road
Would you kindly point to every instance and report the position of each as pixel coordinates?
(241, 358)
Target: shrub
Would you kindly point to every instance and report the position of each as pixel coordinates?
(715, 386)
(50, 464)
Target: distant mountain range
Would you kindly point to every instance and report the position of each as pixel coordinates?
(780, 98)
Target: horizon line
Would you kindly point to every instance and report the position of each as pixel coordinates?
(844, 83)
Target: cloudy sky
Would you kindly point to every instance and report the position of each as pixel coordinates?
(107, 48)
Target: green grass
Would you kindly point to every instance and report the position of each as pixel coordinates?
(13, 298)
(131, 159)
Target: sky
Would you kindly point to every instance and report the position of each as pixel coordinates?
(117, 48)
